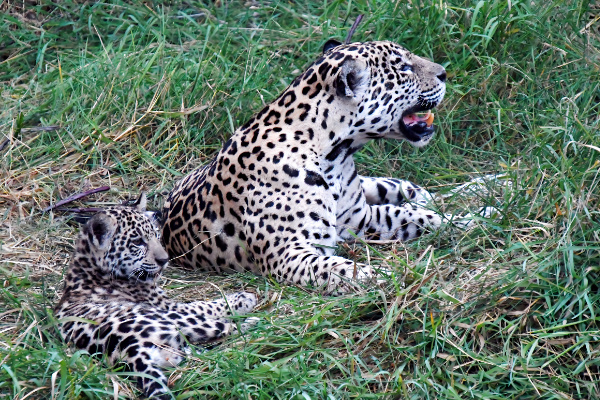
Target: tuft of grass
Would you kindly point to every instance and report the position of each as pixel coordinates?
(134, 95)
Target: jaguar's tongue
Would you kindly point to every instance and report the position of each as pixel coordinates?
(412, 119)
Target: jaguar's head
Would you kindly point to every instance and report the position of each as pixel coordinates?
(389, 90)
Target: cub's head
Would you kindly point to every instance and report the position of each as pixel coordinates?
(388, 91)
(122, 242)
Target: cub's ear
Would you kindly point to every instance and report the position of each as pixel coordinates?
(100, 229)
(330, 44)
(140, 203)
(156, 218)
(353, 80)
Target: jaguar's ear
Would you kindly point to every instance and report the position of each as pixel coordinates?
(140, 203)
(330, 44)
(100, 229)
(353, 80)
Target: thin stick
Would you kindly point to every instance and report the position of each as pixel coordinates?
(80, 210)
(354, 26)
(76, 197)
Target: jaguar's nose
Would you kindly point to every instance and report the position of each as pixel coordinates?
(442, 76)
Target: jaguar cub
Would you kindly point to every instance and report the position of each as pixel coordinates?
(112, 305)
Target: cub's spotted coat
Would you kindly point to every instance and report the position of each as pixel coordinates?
(112, 282)
(284, 189)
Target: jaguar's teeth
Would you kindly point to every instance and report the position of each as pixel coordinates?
(412, 119)
(429, 120)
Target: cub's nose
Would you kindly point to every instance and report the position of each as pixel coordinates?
(161, 261)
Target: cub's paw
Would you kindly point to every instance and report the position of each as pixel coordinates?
(243, 326)
(243, 302)
(248, 323)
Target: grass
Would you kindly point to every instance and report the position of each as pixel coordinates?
(133, 95)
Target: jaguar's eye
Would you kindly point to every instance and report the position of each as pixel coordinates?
(138, 241)
(406, 68)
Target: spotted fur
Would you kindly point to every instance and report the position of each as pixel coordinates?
(112, 282)
(284, 189)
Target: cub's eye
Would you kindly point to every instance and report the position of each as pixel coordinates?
(406, 68)
(138, 241)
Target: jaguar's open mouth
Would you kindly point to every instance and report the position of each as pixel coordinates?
(416, 123)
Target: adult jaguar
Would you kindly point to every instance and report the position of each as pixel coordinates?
(111, 303)
(284, 189)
